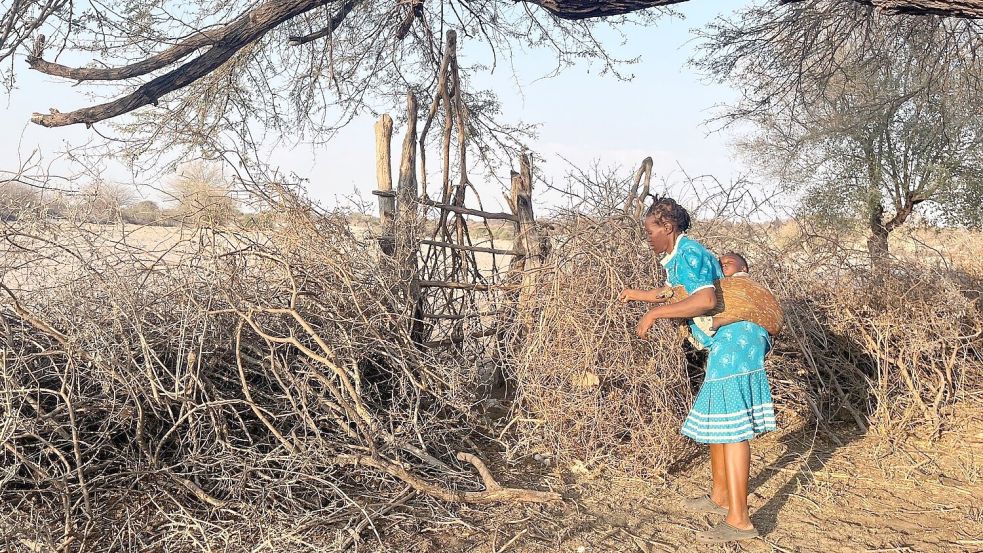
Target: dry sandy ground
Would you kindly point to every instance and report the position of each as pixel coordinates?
(808, 494)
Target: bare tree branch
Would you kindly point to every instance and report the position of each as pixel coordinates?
(247, 29)
(172, 55)
(957, 8)
(582, 9)
(354, 61)
(336, 19)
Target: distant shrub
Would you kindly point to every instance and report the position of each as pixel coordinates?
(203, 196)
(103, 202)
(16, 199)
(145, 212)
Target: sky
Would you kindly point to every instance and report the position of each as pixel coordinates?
(582, 117)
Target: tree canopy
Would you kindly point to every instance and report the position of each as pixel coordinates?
(871, 117)
(188, 72)
(352, 46)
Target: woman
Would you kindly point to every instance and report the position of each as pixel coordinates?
(734, 403)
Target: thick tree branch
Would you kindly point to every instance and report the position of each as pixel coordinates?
(172, 55)
(244, 31)
(972, 9)
(583, 9)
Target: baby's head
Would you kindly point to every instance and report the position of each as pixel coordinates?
(733, 263)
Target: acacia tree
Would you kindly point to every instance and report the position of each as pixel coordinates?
(361, 39)
(873, 153)
(214, 77)
(870, 117)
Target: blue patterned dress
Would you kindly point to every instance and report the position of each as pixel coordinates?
(734, 404)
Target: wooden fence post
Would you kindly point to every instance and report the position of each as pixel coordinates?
(528, 240)
(407, 246)
(384, 180)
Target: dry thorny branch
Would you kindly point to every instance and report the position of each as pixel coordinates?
(221, 372)
(212, 387)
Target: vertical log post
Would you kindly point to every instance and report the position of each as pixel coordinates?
(528, 240)
(406, 222)
(448, 121)
(459, 112)
(384, 181)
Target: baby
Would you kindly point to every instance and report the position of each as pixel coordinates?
(740, 299)
(734, 265)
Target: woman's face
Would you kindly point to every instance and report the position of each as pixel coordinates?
(660, 235)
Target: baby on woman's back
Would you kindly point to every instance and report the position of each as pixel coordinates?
(739, 298)
(734, 265)
(748, 300)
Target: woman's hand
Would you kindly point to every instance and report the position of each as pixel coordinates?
(646, 322)
(658, 295)
(630, 294)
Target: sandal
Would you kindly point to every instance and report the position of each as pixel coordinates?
(724, 533)
(703, 504)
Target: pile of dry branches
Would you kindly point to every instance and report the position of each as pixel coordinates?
(217, 388)
(590, 392)
(204, 389)
(903, 346)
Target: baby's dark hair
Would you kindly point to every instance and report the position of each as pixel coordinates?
(666, 210)
(741, 258)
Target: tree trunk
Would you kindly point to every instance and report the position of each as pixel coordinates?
(877, 245)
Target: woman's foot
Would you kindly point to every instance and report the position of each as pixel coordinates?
(725, 533)
(703, 504)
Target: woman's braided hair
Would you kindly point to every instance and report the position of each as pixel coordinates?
(666, 210)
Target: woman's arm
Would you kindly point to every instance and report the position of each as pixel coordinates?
(658, 295)
(696, 304)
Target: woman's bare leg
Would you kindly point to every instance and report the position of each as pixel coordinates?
(719, 473)
(737, 461)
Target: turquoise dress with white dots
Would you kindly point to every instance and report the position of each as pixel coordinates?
(734, 403)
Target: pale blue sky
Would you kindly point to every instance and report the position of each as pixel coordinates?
(582, 116)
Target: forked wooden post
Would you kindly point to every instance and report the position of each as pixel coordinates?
(635, 202)
(384, 180)
(407, 245)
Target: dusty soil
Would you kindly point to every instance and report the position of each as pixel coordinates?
(808, 494)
